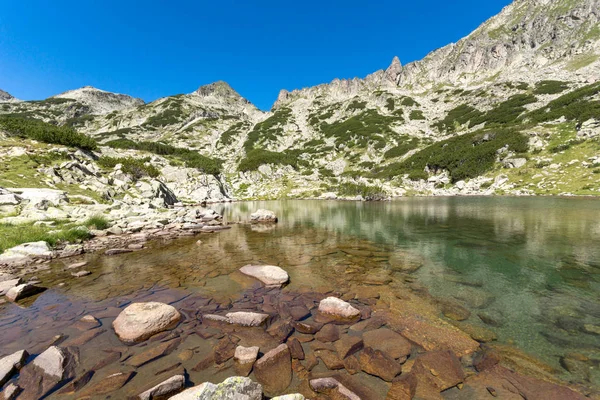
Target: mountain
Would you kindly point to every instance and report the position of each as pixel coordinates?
(4, 96)
(100, 101)
(513, 108)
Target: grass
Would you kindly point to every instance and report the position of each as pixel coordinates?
(98, 222)
(398, 151)
(46, 133)
(581, 61)
(416, 115)
(14, 235)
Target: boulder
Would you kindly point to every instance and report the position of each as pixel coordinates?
(11, 392)
(436, 371)
(338, 309)
(37, 196)
(328, 333)
(236, 387)
(295, 396)
(270, 275)
(22, 291)
(274, 370)
(348, 345)
(9, 284)
(139, 321)
(9, 365)
(170, 386)
(387, 341)
(375, 362)
(80, 274)
(52, 361)
(332, 388)
(263, 216)
(244, 359)
(25, 250)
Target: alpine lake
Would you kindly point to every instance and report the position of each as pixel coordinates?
(521, 275)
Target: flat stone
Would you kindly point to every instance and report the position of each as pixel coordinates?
(113, 252)
(437, 371)
(108, 384)
(224, 350)
(339, 309)
(11, 364)
(274, 370)
(170, 386)
(244, 359)
(153, 353)
(307, 327)
(348, 345)
(23, 291)
(77, 265)
(139, 321)
(294, 396)
(296, 349)
(244, 318)
(77, 384)
(330, 359)
(22, 251)
(270, 275)
(389, 342)
(329, 333)
(375, 362)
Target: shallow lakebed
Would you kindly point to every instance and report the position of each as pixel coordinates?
(523, 270)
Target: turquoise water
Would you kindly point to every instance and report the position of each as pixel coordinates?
(529, 266)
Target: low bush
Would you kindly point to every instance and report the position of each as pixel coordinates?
(407, 145)
(578, 105)
(257, 157)
(550, 87)
(137, 168)
(97, 222)
(46, 133)
(349, 189)
(416, 115)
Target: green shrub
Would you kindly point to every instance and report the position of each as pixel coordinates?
(459, 115)
(97, 222)
(506, 112)
(137, 168)
(360, 129)
(356, 105)
(550, 87)
(228, 136)
(192, 158)
(46, 133)
(416, 115)
(349, 189)
(409, 101)
(269, 129)
(403, 148)
(465, 156)
(390, 105)
(257, 157)
(577, 105)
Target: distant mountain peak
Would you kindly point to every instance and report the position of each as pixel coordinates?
(101, 101)
(219, 88)
(5, 96)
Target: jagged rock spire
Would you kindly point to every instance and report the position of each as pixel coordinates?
(394, 70)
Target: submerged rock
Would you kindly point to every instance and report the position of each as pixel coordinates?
(274, 370)
(389, 342)
(139, 321)
(375, 362)
(236, 387)
(108, 384)
(263, 216)
(332, 388)
(170, 386)
(243, 318)
(270, 275)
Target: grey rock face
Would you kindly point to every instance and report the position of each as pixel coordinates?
(4, 96)
(232, 388)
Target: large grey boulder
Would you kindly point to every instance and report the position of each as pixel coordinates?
(39, 196)
(5, 286)
(53, 362)
(170, 386)
(236, 387)
(140, 321)
(25, 250)
(338, 309)
(261, 215)
(23, 291)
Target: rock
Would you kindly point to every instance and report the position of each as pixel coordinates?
(224, 350)
(328, 333)
(244, 359)
(11, 364)
(11, 392)
(264, 216)
(454, 311)
(307, 327)
(80, 274)
(244, 318)
(436, 371)
(25, 250)
(108, 384)
(352, 365)
(387, 341)
(77, 265)
(403, 388)
(295, 396)
(170, 386)
(9, 284)
(270, 275)
(53, 362)
(280, 330)
(338, 309)
(332, 388)
(348, 345)
(236, 387)
(139, 321)
(478, 333)
(296, 349)
(330, 359)
(78, 383)
(152, 353)
(298, 313)
(22, 291)
(274, 370)
(112, 252)
(375, 362)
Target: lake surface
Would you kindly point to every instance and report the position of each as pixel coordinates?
(526, 268)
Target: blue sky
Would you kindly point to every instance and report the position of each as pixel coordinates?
(153, 48)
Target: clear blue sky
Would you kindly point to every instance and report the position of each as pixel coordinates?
(154, 48)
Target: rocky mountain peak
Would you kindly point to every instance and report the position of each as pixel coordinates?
(5, 96)
(219, 89)
(100, 101)
(394, 70)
